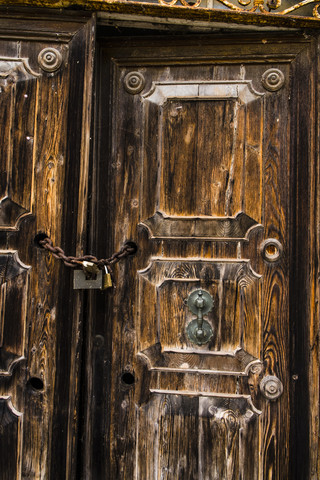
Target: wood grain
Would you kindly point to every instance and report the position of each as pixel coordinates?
(198, 181)
(185, 156)
(44, 154)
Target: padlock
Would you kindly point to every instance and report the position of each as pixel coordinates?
(106, 280)
(89, 278)
(81, 281)
(90, 269)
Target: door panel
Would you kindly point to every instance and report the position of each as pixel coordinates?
(203, 177)
(44, 170)
(197, 150)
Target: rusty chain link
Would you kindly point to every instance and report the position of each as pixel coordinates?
(75, 262)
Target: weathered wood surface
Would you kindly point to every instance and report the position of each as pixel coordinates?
(198, 168)
(45, 121)
(202, 142)
(165, 16)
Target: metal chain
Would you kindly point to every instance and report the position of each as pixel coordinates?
(75, 262)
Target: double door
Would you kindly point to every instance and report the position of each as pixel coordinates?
(201, 363)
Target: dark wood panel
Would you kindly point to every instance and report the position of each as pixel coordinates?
(161, 150)
(10, 440)
(46, 152)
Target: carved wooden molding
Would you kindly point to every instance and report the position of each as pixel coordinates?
(162, 226)
(242, 90)
(220, 406)
(10, 265)
(11, 214)
(160, 270)
(238, 363)
(12, 341)
(224, 213)
(11, 424)
(16, 202)
(10, 67)
(262, 12)
(8, 413)
(232, 410)
(161, 368)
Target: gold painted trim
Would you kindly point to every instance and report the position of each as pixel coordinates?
(143, 9)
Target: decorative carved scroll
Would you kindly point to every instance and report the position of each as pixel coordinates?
(306, 8)
(161, 226)
(162, 270)
(13, 294)
(221, 427)
(10, 266)
(11, 213)
(200, 373)
(238, 362)
(15, 69)
(232, 409)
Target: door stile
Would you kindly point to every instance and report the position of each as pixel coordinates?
(304, 314)
(85, 48)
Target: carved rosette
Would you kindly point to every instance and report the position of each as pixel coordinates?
(256, 368)
(134, 82)
(271, 387)
(50, 59)
(272, 79)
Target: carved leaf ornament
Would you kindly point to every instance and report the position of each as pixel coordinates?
(252, 6)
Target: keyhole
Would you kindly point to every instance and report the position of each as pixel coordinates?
(35, 383)
(127, 378)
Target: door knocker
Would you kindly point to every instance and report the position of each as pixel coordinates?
(200, 303)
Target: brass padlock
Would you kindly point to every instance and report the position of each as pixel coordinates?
(107, 280)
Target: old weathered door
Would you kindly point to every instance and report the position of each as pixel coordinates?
(45, 94)
(205, 148)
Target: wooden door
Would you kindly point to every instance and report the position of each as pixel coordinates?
(206, 161)
(45, 79)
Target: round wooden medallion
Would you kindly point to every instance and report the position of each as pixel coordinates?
(272, 79)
